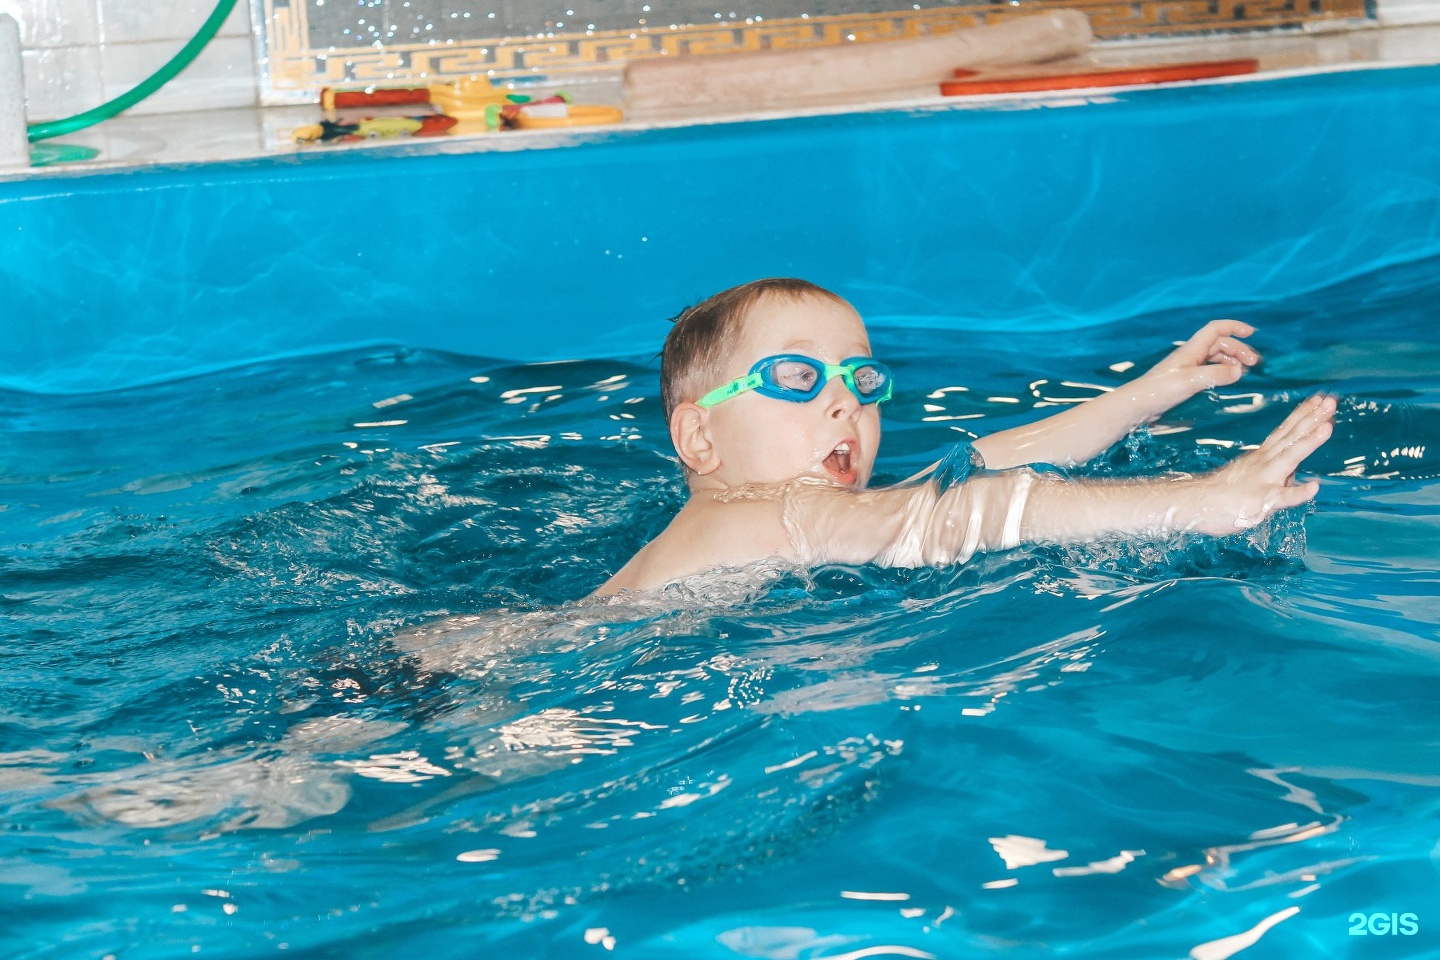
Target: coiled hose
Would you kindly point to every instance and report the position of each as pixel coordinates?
(158, 79)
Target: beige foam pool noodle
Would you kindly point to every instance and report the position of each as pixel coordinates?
(764, 79)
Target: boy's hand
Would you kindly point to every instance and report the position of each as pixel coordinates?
(1250, 488)
(1214, 357)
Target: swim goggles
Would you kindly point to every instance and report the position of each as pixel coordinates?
(797, 378)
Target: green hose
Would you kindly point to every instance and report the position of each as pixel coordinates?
(158, 79)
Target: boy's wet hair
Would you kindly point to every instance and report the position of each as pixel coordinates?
(696, 345)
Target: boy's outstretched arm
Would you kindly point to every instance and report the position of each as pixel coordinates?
(1215, 356)
(923, 526)
(1236, 497)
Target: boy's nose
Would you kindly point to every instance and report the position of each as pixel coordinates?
(840, 402)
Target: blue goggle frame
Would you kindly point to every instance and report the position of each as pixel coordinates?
(879, 383)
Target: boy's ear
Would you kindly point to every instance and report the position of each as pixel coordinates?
(690, 433)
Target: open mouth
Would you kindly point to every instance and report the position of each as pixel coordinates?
(840, 463)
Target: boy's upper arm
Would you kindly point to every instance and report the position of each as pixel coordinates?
(908, 526)
(834, 525)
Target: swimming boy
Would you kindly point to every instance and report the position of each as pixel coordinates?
(772, 399)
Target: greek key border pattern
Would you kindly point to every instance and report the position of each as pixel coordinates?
(296, 72)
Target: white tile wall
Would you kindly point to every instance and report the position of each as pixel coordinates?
(126, 21)
(80, 53)
(222, 76)
(1394, 13)
(61, 81)
(45, 24)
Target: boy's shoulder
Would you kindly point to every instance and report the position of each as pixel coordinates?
(732, 529)
(738, 521)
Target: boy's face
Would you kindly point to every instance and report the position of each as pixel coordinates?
(759, 439)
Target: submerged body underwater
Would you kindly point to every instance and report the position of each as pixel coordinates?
(298, 660)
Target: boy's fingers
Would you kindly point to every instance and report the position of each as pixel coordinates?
(1215, 342)
(1228, 348)
(1311, 410)
(1227, 328)
(1218, 374)
(1291, 427)
(1315, 439)
(1288, 457)
(1197, 347)
(1295, 495)
(1321, 410)
(1217, 330)
(1301, 434)
(1312, 414)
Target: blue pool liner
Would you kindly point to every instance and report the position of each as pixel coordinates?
(1050, 213)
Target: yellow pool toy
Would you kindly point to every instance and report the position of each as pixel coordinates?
(547, 116)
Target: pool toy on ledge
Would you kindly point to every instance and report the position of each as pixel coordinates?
(476, 105)
(552, 112)
(1068, 77)
(461, 99)
(373, 128)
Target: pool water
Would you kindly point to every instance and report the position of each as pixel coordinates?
(232, 727)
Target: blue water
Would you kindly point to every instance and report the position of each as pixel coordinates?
(230, 727)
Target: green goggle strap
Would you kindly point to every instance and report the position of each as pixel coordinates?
(739, 385)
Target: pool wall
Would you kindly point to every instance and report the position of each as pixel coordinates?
(1018, 214)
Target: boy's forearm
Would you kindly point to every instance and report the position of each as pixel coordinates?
(1002, 511)
(1067, 512)
(923, 526)
(1071, 436)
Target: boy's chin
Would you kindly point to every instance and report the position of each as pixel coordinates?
(853, 477)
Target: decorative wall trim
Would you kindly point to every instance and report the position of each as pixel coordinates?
(295, 71)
